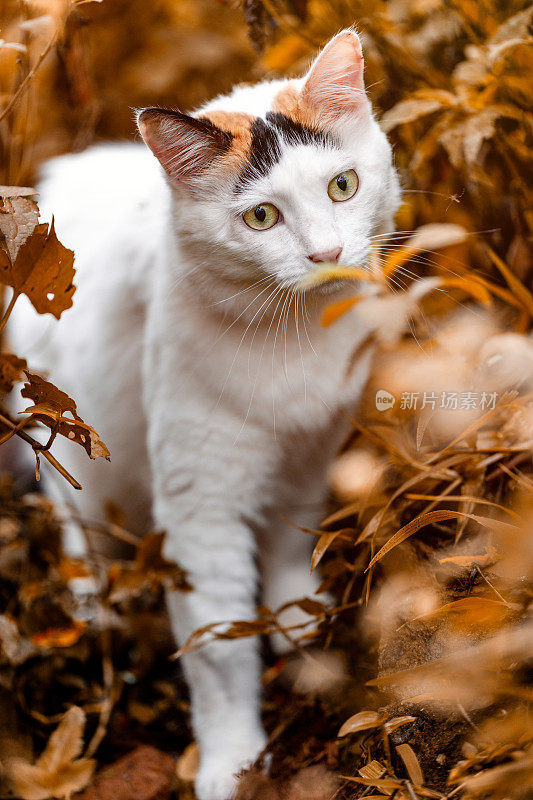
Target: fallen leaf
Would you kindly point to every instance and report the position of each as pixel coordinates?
(58, 772)
(151, 568)
(60, 637)
(14, 648)
(188, 763)
(491, 556)
(362, 721)
(408, 756)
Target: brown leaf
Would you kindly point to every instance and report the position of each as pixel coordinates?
(188, 763)
(58, 772)
(398, 722)
(50, 406)
(472, 613)
(13, 646)
(490, 556)
(60, 637)
(425, 102)
(11, 370)
(441, 515)
(17, 191)
(42, 269)
(408, 756)
(362, 721)
(43, 392)
(19, 215)
(324, 541)
(150, 569)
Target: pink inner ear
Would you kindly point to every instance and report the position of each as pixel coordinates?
(335, 81)
(184, 145)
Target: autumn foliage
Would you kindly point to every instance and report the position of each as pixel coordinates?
(417, 683)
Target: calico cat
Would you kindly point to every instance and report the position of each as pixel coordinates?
(195, 354)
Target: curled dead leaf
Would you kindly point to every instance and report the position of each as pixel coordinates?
(50, 406)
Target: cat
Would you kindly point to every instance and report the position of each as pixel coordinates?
(193, 351)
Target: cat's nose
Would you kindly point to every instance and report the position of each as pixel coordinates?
(327, 255)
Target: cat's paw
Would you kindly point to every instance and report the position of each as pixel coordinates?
(217, 776)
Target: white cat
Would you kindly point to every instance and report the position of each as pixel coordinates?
(192, 351)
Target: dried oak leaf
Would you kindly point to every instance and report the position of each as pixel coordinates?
(42, 269)
(11, 370)
(58, 772)
(50, 406)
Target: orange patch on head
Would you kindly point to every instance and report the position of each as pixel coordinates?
(238, 124)
(291, 102)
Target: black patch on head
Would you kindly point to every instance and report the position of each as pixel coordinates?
(268, 136)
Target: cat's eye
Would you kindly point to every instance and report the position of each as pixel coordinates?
(261, 217)
(343, 186)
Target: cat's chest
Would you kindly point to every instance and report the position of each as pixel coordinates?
(290, 376)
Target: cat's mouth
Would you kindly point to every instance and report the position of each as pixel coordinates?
(327, 277)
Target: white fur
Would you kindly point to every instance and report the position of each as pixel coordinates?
(219, 422)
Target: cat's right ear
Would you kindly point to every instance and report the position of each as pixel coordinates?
(334, 85)
(184, 145)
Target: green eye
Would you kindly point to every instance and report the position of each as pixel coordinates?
(343, 186)
(262, 217)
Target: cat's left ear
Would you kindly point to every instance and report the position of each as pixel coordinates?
(185, 146)
(335, 84)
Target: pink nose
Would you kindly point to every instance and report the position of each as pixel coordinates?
(328, 255)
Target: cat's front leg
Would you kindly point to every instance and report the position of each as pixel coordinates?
(204, 487)
(223, 678)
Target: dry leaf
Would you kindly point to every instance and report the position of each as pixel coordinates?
(151, 569)
(188, 763)
(60, 637)
(422, 104)
(19, 215)
(12, 369)
(50, 406)
(13, 646)
(58, 772)
(362, 721)
(42, 269)
(408, 756)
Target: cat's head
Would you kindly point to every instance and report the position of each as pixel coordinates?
(274, 178)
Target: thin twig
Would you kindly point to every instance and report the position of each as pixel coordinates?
(29, 77)
(49, 457)
(8, 311)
